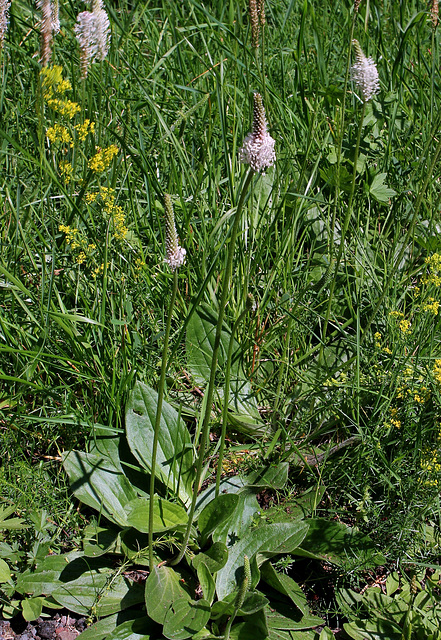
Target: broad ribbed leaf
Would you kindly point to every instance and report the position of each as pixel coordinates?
(99, 484)
(163, 587)
(184, 618)
(166, 515)
(269, 539)
(174, 460)
(100, 590)
(140, 629)
(216, 512)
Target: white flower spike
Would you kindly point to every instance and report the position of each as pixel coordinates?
(258, 147)
(364, 74)
(175, 254)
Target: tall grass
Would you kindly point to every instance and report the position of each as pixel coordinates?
(327, 249)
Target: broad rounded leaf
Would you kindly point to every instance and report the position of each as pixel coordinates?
(100, 590)
(140, 629)
(32, 608)
(174, 460)
(184, 618)
(99, 484)
(162, 588)
(215, 557)
(215, 513)
(166, 515)
(270, 539)
(5, 572)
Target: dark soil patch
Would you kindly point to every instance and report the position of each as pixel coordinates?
(60, 627)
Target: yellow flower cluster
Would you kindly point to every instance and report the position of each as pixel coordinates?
(84, 129)
(102, 159)
(65, 108)
(66, 170)
(432, 306)
(70, 232)
(78, 242)
(437, 371)
(431, 463)
(405, 327)
(113, 210)
(54, 87)
(52, 81)
(58, 133)
(434, 265)
(99, 270)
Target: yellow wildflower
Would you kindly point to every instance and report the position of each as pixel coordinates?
(65, 108)
(405, 327)
(432, 306)
(66, 170)
(84, 129)
(102, 159)
(58, 133)
(437, 371)
(81, 257)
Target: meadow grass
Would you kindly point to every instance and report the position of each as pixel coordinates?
(339, 244)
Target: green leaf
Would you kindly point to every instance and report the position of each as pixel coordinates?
(253, 603)
(139, 629)
(235, 484)
(206, 581)
(377, 629)
(5, 572)
(98, 590)
(269, 539)
(162, 588)
(379, 191)
(32, 608)
(166, 515)
(215, 513)
(98, 540)
(286, 585)
(184, 618)
(174, 460)
(46, 575)
(99, 484)
(214, 558)
(335, 542)
(101, 629)
(246, 631)
(239, 523)
(274, 477)
(285, 617)
(200, 336)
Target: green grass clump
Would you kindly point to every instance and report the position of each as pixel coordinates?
(338, 244)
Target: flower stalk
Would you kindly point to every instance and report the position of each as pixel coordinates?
(171, 241)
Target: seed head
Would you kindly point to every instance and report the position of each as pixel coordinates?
(258, 147)
(255, 23)
(4, 6)
(434, 13)
(364, 74)
(93, 34)
(175, 254)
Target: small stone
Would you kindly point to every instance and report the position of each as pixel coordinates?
(46, 629)
(67, 634)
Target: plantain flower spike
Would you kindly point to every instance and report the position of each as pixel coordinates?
(4, 7)
(255, 23)
(47, 26)
(434, 13)
(175, 254)
(364, 74)
(258, 147)
(93, 34)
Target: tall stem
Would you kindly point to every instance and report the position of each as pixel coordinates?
(226, 399)
(158, 414)
(211, 384)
